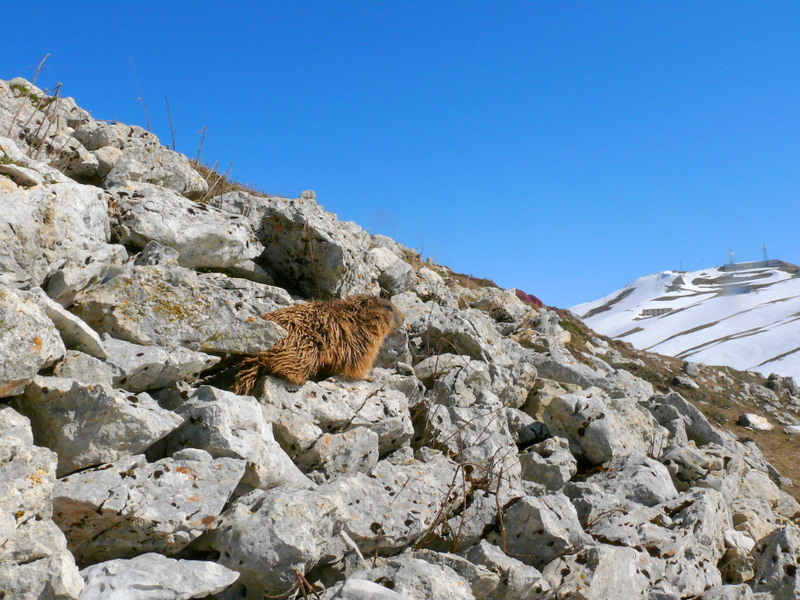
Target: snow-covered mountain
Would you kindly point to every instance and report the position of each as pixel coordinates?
(745, 315)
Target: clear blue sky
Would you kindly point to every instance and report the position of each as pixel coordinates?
(564, 148)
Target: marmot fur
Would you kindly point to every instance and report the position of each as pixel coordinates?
(325, 337)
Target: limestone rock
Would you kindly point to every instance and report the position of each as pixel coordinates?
(753, 421)
(167, 305)
(600, 427)
(15, 425)
(598, 572)
(396, 275)
(266, 535)
(28, 340)
(129, 507)
(540, 529)
(777, 557)
(203, 235)
(691, 420)
(683, 539)
(394, 506)
(334, 454)
(549, 463)
(153, 576)
(305, 245)
(361, 589)
(138, 368)
(300, 415)
(227, 425)
(88, 425)
(75, 334)
(85, 369)
(34, 561)
(482, 581)
(44, 226)
(141, 158)
(728, 592)
(518, 581)
(417, 579)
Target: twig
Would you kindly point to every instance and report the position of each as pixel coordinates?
(219, 178)
(202, 141)
(40, 68)
(171, 129)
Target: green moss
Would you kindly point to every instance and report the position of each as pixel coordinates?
(22, 89)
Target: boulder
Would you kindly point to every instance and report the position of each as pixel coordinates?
(154, 576)
(301, 415)
(47, 226)
(538, 530)
(130, 507)
(205, 237)
(600, 427)
(130, 153)
(482, 581)
(307, 246)
(753, 421)
(598, 572)
(87, 425)
(416, 579)
(138, 368)
(267, 535)
(28, 341)
(75, 334)
(166, 305)
(777, 557)
(34, 561)
(226, 425)
(518, 581)
(549, 463)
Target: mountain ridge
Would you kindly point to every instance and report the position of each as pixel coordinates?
(744, 315)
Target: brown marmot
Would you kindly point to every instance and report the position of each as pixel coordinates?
(325, 337)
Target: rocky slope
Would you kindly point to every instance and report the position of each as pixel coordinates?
(499, 451)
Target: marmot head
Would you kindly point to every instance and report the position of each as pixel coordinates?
(380, 309)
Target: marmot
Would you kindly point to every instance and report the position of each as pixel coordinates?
(325, 337)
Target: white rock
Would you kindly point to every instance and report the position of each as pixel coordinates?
(15, 425)
(540, 529)
(152, 576)
(142, 159)
(75, 334)
(203, 235)
(34, 561)
(600, 427)
(227, 425)
(518, 581)
(549, 463)
(138, 368)
(418, 579)
(777, 559)
(754, 421)
(598, 572)
(729, 592)
(130, 507)
(29, 341)
(88, 425)
(300, 415)
(167, 305)
(362, 589)
(308, 246)
(84, 368)
(396, 275)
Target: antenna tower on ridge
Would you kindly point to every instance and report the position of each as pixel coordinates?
(730, 257)
(764, 250)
